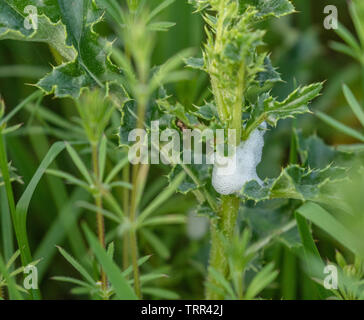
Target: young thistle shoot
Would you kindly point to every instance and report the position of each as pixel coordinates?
(241, 77)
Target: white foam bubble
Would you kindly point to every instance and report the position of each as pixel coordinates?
(240, 168)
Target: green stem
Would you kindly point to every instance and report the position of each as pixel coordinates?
(126, 178)
(222, 230)
(99, 216)
(132, 234)
(139, 176)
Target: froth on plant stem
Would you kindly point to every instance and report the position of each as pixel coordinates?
(240, 168)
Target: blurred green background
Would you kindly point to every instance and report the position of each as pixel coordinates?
(299, 48)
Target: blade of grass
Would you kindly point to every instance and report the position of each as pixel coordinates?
(20, 215)
(339, 126)
(310, 250)
(6, 225)
(354, 104)
(64, 224)
(332, 226)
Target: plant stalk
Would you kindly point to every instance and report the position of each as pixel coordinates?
(132, 234)
(139, 176)
(222, 231)
(126, 177)
(99, 216)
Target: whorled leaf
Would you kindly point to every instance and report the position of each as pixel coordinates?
(14, 177)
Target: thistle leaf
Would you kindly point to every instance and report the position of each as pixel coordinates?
(201, 174)
(67, 28)
(92, 66)
(195, 63)
(299, 183)
(269, 109)
(275, 8)
(50, 28)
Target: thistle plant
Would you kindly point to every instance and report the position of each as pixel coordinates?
(241, 77)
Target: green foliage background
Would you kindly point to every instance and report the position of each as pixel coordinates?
(300, 50)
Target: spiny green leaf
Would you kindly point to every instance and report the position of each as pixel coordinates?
(276, 8)
(314, 153)
(298, 183)
(269, 109)
(296, 103)
(68, 28)
(207, 112)
(269, 74)
(200, 172)
(50, 29)
(195, 63)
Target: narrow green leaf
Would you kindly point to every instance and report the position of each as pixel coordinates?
(332, 226)
(104, 212)
(102, 157)
(20, 106)
(20, 215)
(339, 126)
(163, 5)
(160, 293)
(70, 178)
(75, 281)
(79, 163)
(162, 197)
(354, 104)
(83, 272)
(264, 277)
(156, 243)
(116, 169)
(119, 283)
(310, 249)
(347, 36)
